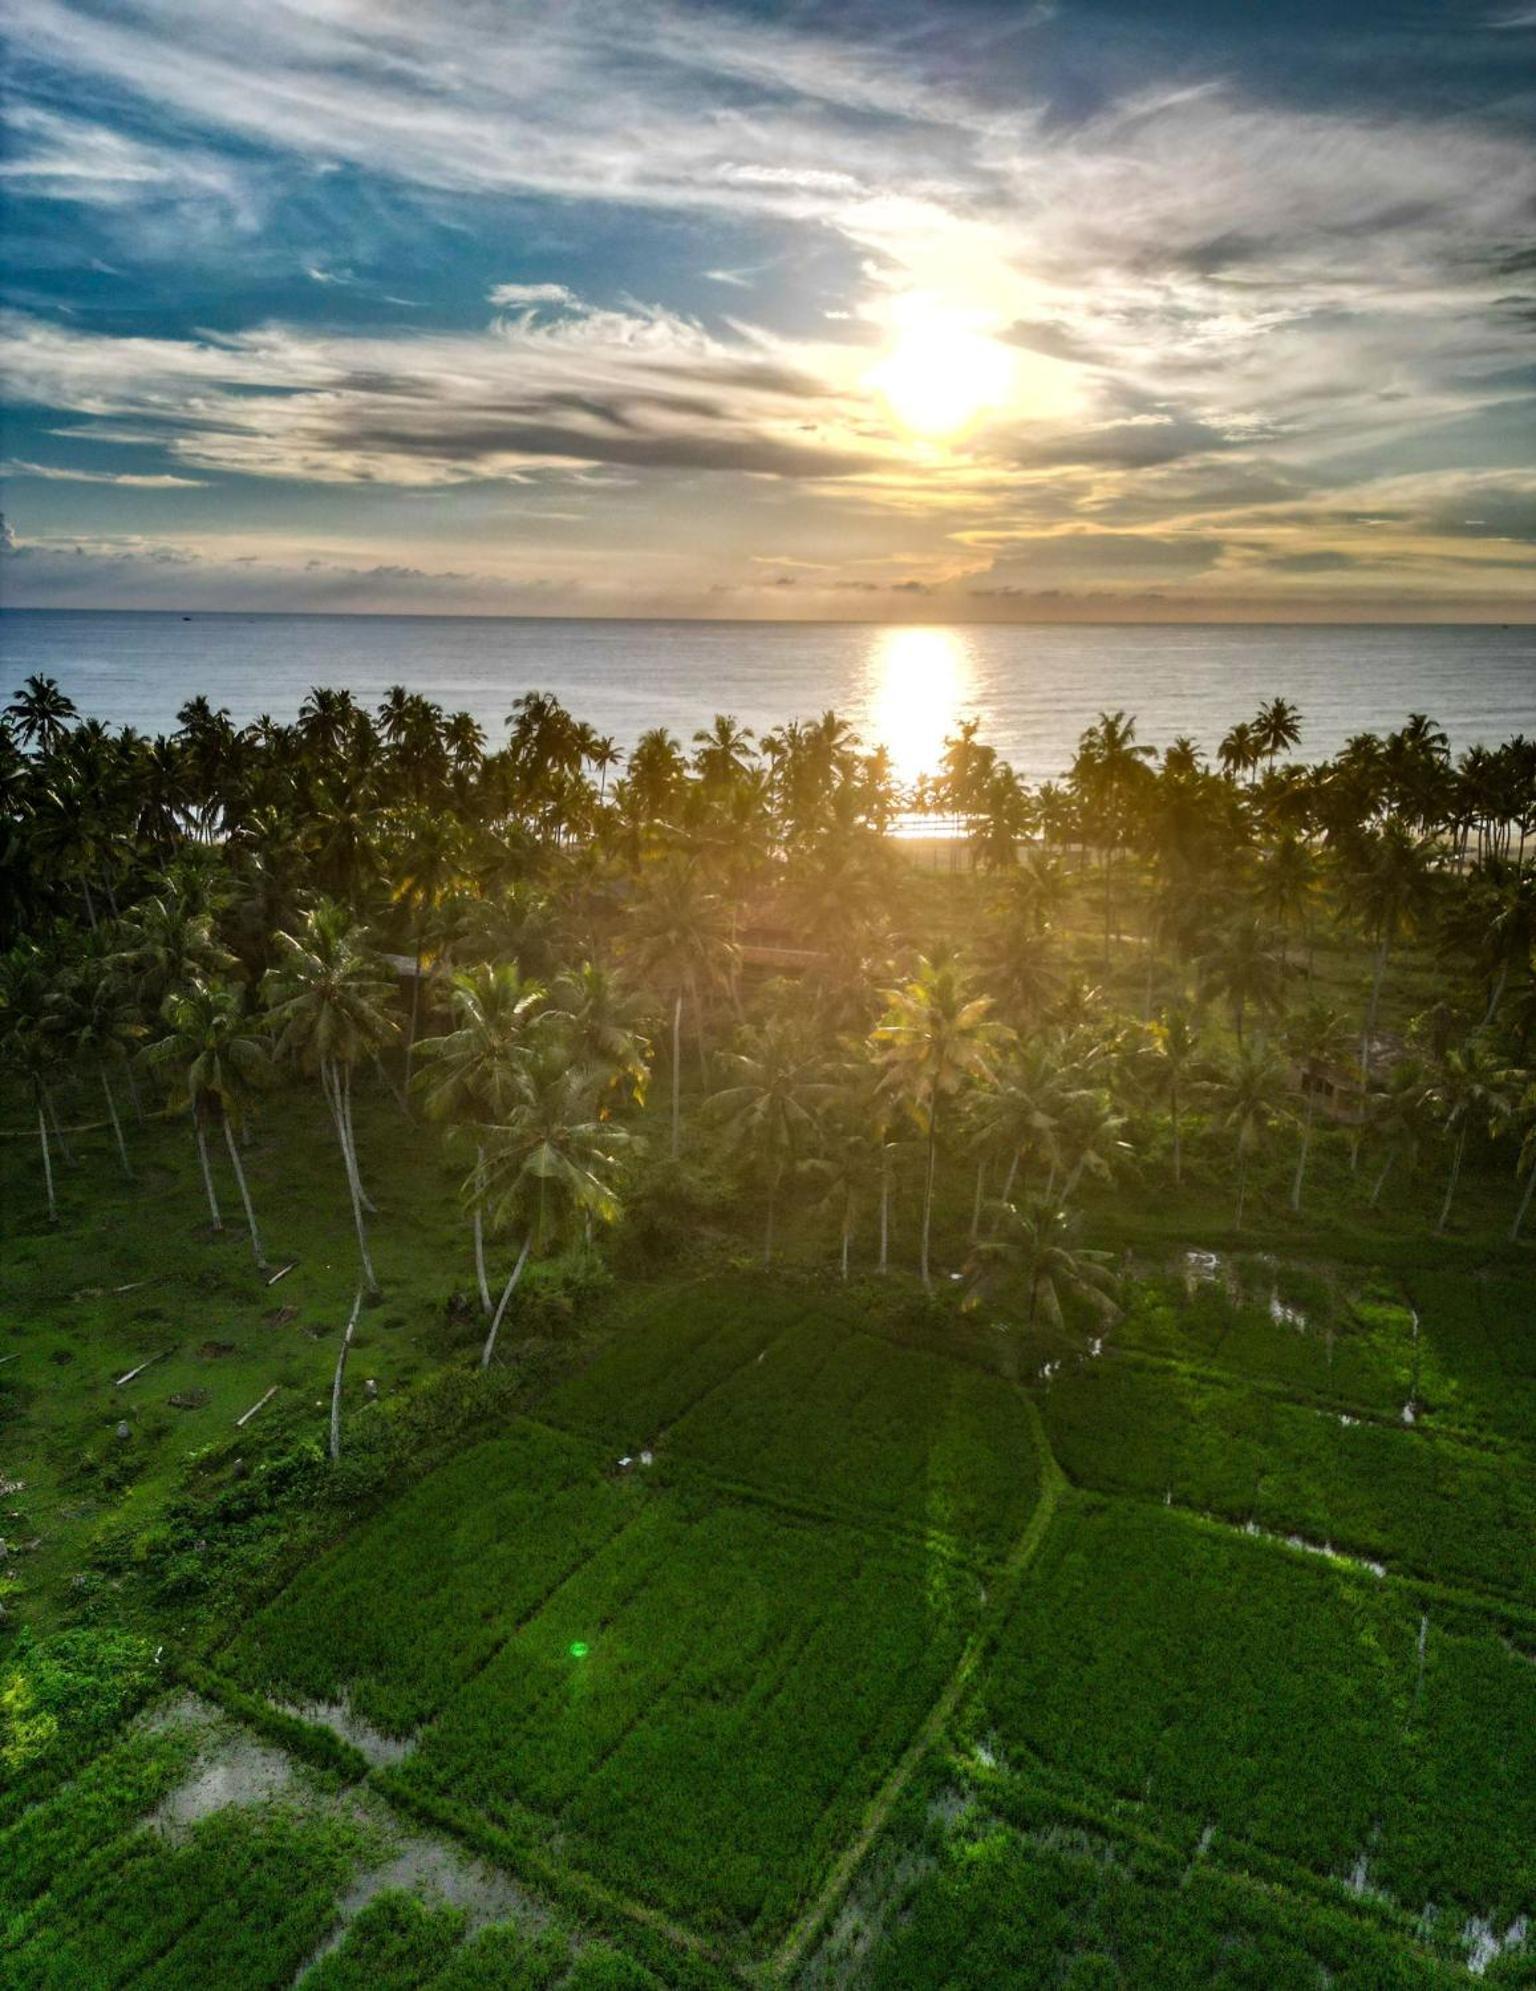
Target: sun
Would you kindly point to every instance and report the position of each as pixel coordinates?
(941, 372)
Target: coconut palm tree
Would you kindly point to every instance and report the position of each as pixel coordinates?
(679, 941)
(1397, 1114)
(26, 1045)
(426, 865)
(329, 1003)
(40, 715)
(768, 1113)
(1277, 728)
(1170, 1066)
(212, 1060)
(552, 1165)
(1242, 965)
(1386, 885)
(1316, 1035)
(1250, 1096)
(95, 1023)
(1466, 1089)
(1031, 1247)
(934, 1040)
(598, 1019)
(479, 1072)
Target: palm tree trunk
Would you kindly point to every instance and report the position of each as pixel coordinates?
(344, 1090)
(1301, 1159)
(1525, 1204)
(1370, 1012)
(1496, 993)
(933, 1152)
(773, 1191)
(42, 1135)
(58, 1132)
(847, 1234)
(1450, 1187)
(1242, 1187)
(354, 1187)
(677, 1069)
(245, 1196)
(1381, 1180)
(410, 1038)
(202, 1156)
(479, 1226)
(981, 1176)
(885, 1218)
(117, 1125)
(506, 1294)
(1178, 1140)
(341, 1363)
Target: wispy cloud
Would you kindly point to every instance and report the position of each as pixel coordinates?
(130, 480)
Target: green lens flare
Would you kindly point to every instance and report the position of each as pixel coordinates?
(578, 1648)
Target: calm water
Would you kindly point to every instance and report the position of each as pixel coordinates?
(1033, 689)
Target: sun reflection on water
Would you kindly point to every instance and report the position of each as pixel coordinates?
(918, 684)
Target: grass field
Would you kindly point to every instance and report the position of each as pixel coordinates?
(840, 1688)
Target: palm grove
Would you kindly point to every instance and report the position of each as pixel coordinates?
(917, 1071)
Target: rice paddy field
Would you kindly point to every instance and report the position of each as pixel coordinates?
(769, 1631)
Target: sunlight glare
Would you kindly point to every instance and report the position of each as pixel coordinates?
(919, 682)
(941, 372)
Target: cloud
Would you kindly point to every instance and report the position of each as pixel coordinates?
(1272, 314)
(510, 295)
(129, 479)
(642, 388)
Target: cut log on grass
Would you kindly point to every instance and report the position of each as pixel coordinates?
(341, 1363)
(281, 1273)
(240, 1421)
(118, 1381)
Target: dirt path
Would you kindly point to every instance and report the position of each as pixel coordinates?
(793, 1951)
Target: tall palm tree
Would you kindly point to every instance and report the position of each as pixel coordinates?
(1170, 1066)
(598, 1020)
(553, 1164)
(479, 1072)
(425, 867)
(40, 714)
(26, 1045)
(679, 941)
(1032, 1247)
(1250, 1095)
(1386, 885)
(1397, 1114)
(1316, 1035)
(1277, 728)
(768, 1114)
(212, 1060)
(329, 1003)
(934, 1040)
(1467, 1089)
(1241, 964)
(96, 1023)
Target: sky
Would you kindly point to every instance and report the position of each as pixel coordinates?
(905, 311)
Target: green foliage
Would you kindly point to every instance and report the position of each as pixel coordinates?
(745, 1680)
(1428, 1507)
(59, 1697)
(412, 1604)
(239, 1902)
(1052, 1907)
(56, 1833)
(1166, 1663)
(396, 1941)
(502, 1958)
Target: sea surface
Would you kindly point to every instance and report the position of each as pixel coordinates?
(1033, 689)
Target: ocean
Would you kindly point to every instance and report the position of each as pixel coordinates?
(1033, 689)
